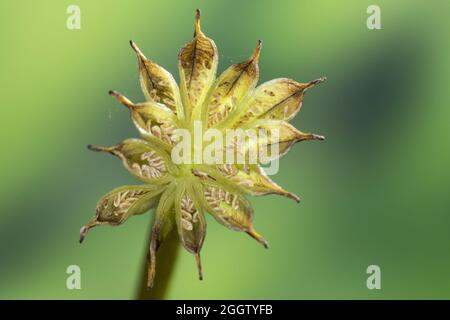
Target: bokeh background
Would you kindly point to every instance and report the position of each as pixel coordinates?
(375, 192)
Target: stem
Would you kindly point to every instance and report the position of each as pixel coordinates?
(165, 262)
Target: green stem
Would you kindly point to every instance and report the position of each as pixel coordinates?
(165, 262)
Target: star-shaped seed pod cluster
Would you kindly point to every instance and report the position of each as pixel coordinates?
(183, 193)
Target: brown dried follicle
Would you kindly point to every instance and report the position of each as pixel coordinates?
(113, 209)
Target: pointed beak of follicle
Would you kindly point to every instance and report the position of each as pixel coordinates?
(199, 266)
(314, 136)
(309, 137)
(292, 196)
(101, 149)
(256, 52)
(318, 137)
(315, 82)
(197, 22)
(122, 99)
(138, 51)
(255, 235)
(85, 229)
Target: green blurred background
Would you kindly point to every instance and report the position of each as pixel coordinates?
(375, 192)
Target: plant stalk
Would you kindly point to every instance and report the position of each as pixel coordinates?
(166, 257)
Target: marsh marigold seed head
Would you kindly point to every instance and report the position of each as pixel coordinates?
(183, 192)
